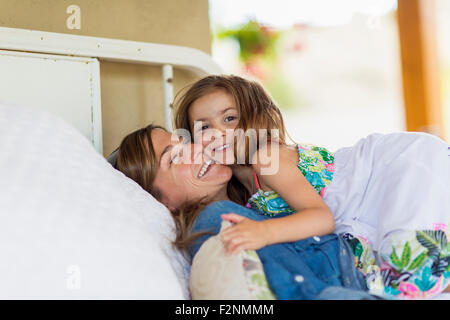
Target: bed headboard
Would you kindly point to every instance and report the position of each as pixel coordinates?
(105, 49)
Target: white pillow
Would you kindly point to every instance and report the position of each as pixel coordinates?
(218, 276)
(71, 226)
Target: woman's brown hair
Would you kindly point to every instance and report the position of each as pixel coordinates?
(136, 159)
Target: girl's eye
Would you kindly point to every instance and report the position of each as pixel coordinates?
(230, 118)
(204, 127)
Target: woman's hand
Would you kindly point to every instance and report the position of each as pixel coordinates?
(246, 234)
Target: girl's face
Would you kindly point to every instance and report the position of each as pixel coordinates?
(182, 174)
(213, 118)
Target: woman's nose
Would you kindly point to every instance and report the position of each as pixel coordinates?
(196, 151)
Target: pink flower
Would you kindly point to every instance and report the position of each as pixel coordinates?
(439, 226)
(437, 288)
(330, 167)
(409, 291)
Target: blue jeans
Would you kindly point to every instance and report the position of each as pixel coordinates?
(312, 268)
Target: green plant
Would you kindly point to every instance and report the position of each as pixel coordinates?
(255, 40)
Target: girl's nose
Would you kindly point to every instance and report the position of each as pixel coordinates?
(214, 134)
(221, 130)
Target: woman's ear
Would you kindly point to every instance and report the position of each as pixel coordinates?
(166, 203)
(171, 208)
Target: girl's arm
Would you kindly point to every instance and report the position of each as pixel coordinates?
(312, 216)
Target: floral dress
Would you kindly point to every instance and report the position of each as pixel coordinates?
(316, 164)
(412, 265)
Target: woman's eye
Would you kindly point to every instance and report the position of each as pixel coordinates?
(204, 127)
(176, 157)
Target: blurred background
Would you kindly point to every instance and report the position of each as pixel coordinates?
(340, 70)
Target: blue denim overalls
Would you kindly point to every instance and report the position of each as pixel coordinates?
(313, 268)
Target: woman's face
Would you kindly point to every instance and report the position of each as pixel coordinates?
(182, 174)
(213, 118)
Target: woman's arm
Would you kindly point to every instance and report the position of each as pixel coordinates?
(312, 216)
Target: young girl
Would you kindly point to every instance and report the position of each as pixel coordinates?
(388, 192)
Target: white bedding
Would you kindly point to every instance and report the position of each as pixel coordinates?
(72, 227)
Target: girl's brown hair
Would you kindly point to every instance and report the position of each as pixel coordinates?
(136, 159)
(256, 109)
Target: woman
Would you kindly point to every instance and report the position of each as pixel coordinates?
(196, 192)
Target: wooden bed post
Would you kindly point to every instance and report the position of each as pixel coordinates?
(420, 66)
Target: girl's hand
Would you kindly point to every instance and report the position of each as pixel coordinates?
(246, 234)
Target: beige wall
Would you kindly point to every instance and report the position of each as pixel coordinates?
(131, 94)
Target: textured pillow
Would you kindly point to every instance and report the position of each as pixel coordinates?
(217, 276)
(71, 226)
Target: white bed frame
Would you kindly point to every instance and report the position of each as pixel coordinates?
(166, 56)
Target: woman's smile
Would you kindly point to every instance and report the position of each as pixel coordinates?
(204, 168)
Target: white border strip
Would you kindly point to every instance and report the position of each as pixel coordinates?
(167, 72)
(96, 116)
(108, 49)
